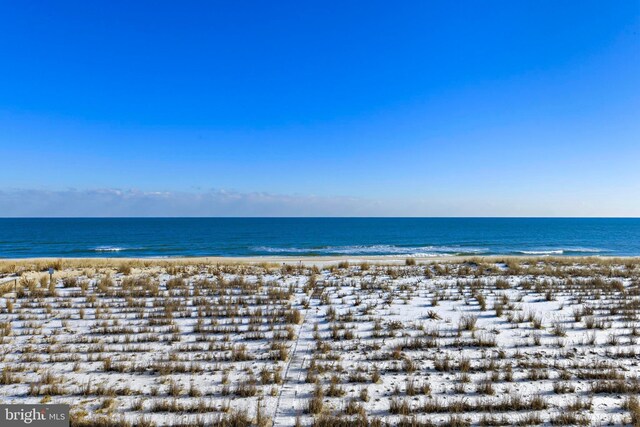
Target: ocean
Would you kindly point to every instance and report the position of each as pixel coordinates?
(299, 237)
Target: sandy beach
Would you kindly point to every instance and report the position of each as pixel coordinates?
(324, 341)
(312, 260)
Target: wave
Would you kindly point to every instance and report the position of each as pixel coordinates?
(549, 252)
(562, 251)
(419, 251)
(111, 249)
(586, 250)
(374, 250)
(285, 250)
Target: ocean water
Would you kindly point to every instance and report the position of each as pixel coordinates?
(298, 237)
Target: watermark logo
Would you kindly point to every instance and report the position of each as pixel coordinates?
(34, 415)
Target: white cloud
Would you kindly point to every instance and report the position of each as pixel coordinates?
(117, 202)
(112, 202)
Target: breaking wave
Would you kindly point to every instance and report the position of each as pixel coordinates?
(563, 251)
(417, 251)
(550, 252)
(111, 249)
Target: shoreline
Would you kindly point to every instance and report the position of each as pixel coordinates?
(315, 260)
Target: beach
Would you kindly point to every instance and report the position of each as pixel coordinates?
(321, 341)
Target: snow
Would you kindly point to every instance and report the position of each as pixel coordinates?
(406, 323)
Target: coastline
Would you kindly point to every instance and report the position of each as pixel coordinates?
(312, 260)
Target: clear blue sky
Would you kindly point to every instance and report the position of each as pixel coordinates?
(320, 108)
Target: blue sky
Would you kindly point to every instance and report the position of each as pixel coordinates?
(418, 108)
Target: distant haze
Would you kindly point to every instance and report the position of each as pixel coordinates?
(119, 203)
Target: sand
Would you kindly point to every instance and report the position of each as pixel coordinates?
(98, 348)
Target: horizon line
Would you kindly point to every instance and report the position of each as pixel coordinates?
(317, 217)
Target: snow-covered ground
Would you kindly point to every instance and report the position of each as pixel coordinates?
(462, 343)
